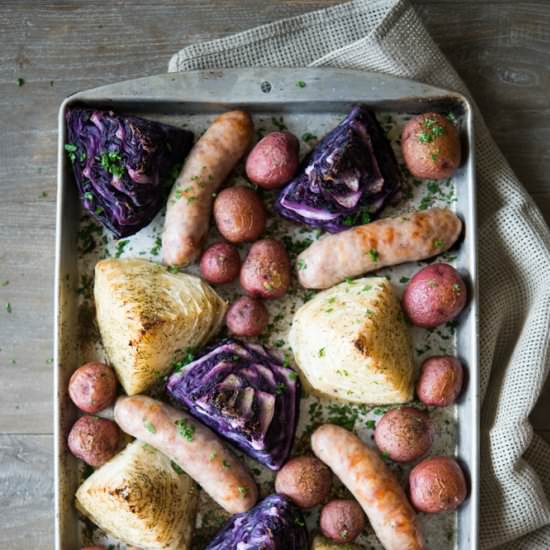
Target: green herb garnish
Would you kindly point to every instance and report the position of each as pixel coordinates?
(243, 491)
(8, 307)
(404, 280)
(185, 429)
(301, 84)
(322, 352)
(121, 245)
(374, 255)
(176, 468)
(20, 82)
(149, 426)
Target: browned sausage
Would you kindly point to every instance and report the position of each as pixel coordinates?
(390, 241)
(191, 445)
(190, 201)
(371, 482)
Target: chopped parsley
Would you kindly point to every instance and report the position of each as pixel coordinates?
(438, 243)
(155, 250)
(301, 84)
(366, 288)
(212, 456)
(456, 289)
(451, 117)
(173, 269)
(374, 255)
(20, 81)
(404, 280)
(188, 358)
(89, 196)
(280, 388)
(121, 245)
(309, 137)
(226, 463)
(5, 283)
(299, 521)
(279, 123)
(8, 307)
(301, 264)
(243, 491)
(111, 162)
(149, 426)
(431, 130)
(292, 375)
(322, 352)
(279, 343)
(71, 151)
(185, 428)
(371, 424)
(176, 468)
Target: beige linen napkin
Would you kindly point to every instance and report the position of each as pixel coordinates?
(387, 36)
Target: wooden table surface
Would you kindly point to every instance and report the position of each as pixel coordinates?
(501, 49)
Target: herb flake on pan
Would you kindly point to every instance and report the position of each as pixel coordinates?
(300, 84)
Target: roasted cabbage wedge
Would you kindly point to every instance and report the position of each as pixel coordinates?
(139, 498)
(148, 317)
(350, 342)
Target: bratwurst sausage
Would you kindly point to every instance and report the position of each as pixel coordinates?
(371, 482)
(390, 241)
(206, 167)
(192, 446)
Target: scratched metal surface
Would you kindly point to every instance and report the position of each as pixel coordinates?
(161, 98)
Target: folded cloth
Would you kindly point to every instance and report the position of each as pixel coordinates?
(514, 256)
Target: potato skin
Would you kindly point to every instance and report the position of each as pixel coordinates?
(93, 387)
(437, 484)
(431, 146)
(435, 295)
(266, 270)
(94, 440)
(220, 263)
(440, 380)
(305, 480)
(342, 520)
(404, 434)
(247, 316)
(274, 160)
(239, 214)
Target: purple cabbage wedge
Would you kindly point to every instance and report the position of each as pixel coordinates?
(246, 394)
(273, 524)
(123, 165)
(346, 180)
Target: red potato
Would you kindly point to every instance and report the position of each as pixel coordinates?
(342, 520)
(305, 480)
(239, 214)
(266, 270)
(94, 440)
(440, 380)
(92, 387)
(274, 160)
(435, 295)
(404, 434)
(220, 263)
(437, 484)
(247, 317)
(431, 146)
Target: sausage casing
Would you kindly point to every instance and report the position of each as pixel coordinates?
(192, 446)
(190, 202)
(390, 241)
(371, 482)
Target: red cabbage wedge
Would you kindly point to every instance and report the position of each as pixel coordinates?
(123, 165)
(346, 180)
(273, 524)
(246, 394)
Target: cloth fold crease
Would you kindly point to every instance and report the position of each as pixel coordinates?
(514, 245)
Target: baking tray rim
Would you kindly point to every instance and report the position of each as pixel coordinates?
(136, 91)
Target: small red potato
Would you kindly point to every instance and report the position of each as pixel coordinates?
(437, 484)
(247, 316)
(305, 480)
(239, 214)
(440, 380)
(404, 434)
(92, 387)
(94, 440)
(220, 263)
(266, 270)
(274, 160)
(342, 520)
(431, 146)
(435, 295)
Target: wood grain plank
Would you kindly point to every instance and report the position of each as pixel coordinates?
(26, 492)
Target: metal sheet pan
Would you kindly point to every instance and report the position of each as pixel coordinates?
(264, 92)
